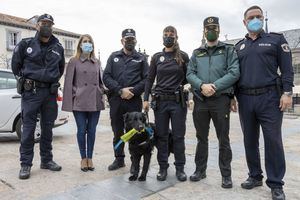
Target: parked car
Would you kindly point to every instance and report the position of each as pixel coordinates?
(10, 107)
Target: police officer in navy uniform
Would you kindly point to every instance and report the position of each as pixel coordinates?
(212, 72)
(124, 76)
(263, 95)
(169, 68)
(39, 62)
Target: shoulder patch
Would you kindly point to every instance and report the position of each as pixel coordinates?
(285, 47)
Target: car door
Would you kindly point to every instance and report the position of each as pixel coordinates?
(10, 100)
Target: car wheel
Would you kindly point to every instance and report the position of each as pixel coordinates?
(37, 133)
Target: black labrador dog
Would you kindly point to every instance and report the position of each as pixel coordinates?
(141, 144)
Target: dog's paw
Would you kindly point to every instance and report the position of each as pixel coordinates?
(142, 178)
(133, 177)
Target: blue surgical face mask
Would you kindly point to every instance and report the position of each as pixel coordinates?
(255, 25)
(87, 47)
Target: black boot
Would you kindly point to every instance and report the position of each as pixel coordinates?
(251, 183)
(277, 194)
(118, 163)
(51, 165)
(226, 182)
(162, 174)
(180, 174)
(24, 172)
(197, 176)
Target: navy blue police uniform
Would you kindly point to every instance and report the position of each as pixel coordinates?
(41, 65)
(123, 71)
(170, 78)
(258, 92)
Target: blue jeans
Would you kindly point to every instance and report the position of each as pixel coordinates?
(86, 130)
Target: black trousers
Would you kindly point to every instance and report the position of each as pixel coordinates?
(118, 107)
(263, 110)
(33, 103)
(170, 111)
(217, 109)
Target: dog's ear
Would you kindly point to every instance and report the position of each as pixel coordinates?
(125, 117)
(144, 117)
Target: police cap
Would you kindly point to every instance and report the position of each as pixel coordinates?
(46, 17)
(128, 33)
(211, 21)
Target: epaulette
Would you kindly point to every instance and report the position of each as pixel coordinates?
(27, 40)
(239, 41)
(276, 33)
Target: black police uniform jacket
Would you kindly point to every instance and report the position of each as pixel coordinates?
(125, 71)
(43, 62)
(260, 60)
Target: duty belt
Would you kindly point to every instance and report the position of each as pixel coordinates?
(38, 84)
(167, 97)
(256, 91)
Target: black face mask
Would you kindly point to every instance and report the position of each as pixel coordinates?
(45, 31)
(169, 41)
(129, 45)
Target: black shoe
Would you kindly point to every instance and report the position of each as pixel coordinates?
(181, 176)
(226, 182)
(51, 165)
(162, 175)
(116, 165)
(250, 183)
(278, 194)
(197, 176)
(24, 172)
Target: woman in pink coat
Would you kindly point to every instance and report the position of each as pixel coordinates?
(83, 95)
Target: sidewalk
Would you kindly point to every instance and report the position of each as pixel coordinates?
(73, 184)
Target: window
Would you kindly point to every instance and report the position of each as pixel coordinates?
(69, 47)
(7, 80)
(12, 39)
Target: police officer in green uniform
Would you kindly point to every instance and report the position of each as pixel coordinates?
(212, 71)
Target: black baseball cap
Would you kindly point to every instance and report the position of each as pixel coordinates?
(46, 17)
(211, 21)
(128, 33)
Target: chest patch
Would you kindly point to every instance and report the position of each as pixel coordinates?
(29, 50)
(162, 58)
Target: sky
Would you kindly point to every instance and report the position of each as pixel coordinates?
(105, 20)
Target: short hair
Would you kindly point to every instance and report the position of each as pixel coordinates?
(252, 8)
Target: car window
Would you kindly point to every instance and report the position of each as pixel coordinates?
(7, 80)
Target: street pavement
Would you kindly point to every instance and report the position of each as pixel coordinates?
(71, 183)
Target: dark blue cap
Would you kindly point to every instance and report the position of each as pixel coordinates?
(46, 17)
(128, 33)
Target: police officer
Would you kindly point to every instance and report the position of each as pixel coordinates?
(169, 69)
(261, 101)
(212, 72)
(124, 76)
(39, 61)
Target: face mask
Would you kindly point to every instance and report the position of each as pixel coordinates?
(129, 45)
(169, 41)
(212, 35)
(87, 47)
(45, 31)
(255, 25)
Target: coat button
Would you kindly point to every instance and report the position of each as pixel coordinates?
(85, 84)
(95, 84)
(84, 72)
